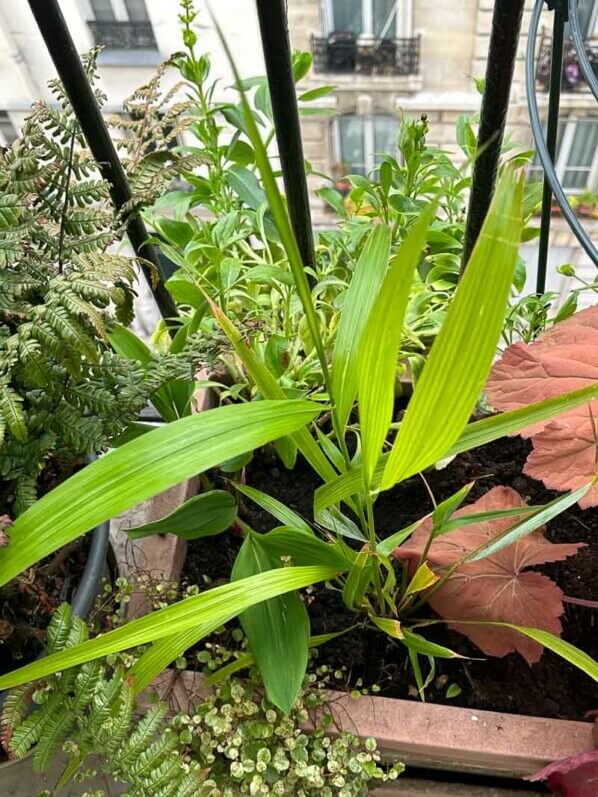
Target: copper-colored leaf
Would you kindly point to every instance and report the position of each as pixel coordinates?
(565, 358)
(576, 776)
(498, 588)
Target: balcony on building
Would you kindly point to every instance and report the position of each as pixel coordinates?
(572, 79)
(344, 52)
(123, 35)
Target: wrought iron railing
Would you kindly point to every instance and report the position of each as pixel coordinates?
(546, 142)
(124, 35)
(343, 52)
(572, 77)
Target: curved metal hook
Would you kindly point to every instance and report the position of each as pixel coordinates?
(582, 56)
(530, 82)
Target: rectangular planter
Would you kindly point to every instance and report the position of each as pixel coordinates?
(459, 739)
(421, 735)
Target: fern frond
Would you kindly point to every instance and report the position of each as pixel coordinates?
(12, 412)
(59, 629)
(85, 685)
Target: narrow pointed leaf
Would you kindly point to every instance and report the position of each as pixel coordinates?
(539, 518)
(215, 607)
(461, 357)
(141, 469)
(275, 508)
(478, 433)
(565, 650)
(379, 346)
(420, 644)
(361, 295)
(391, 627)
(423, 578)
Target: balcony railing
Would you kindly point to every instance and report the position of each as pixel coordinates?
(343, 52)
(572, 78)
(124, 35)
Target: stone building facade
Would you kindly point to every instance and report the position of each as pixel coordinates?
(451, 44)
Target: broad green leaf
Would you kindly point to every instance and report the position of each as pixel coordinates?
(127, 344)
(539, 518)
(143, 468)
(316, 94)
(275, 508)
(303, 550)
(215, 607)
(388, 626)
(460, 359)
(201, 516)
(359, 301)
(277, 629)
(478, 433)
(379, 346)
(421, 645)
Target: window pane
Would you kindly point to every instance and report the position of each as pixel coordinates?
(102, 10)
(585, 11)
(347, 16)
(7, 130)
(351, 142)
(136, 10)
(385, 137)
(581, 156)
(382, 10)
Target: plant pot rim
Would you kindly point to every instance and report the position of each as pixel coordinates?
(430, 735)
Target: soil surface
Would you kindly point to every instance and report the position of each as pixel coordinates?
(27, 603)
(550, 688)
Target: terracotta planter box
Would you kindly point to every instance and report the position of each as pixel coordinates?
(419, 734)
(428, 736)
(161, 556)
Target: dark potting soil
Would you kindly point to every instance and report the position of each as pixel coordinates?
(27, 603)
(550, 688)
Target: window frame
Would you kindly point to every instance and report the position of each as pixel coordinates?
(561, 165)
(562, 160)
(403, 27)
(369, 138)
(6, 122)
(119, 9)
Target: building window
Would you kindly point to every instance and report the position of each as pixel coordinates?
(362, 142)
(577, 156)
(121, 24)
(383, 19)
(8, 132)
(587, 12)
